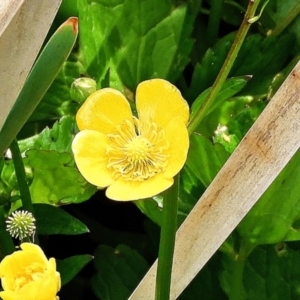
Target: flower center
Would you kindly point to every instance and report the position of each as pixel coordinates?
(137, 150)
(32, 272)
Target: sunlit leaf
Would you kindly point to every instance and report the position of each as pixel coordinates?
(154, 43)
(58, 138)
(55, 180)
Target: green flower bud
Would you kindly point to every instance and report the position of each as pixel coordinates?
(81, 88)
(21, 224)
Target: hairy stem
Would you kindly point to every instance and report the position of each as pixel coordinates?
(229, 61)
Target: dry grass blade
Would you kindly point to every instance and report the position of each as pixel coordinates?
(23, 28)
(262, 154)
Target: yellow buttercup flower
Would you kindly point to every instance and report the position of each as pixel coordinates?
(134, 158)
(27, 275)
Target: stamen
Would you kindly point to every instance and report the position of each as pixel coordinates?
(137, 150)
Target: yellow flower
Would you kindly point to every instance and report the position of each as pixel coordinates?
(27, 275)
(135, 158)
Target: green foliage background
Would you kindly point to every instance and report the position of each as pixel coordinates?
(121, 43)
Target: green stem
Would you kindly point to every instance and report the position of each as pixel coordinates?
(6, 243)
(21, 176)
(214, 21)
(237, 291)
(167, 242)
(23, 186)
(232, 54)
(286, 21)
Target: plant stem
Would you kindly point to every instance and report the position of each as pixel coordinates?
(237, 291)
(286, 21)
(6, 243)
(231, 56)
(21, 176)
(167, 242)
(23, 186)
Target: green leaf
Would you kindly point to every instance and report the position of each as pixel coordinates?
(191, 188)
(54, 220)
(55, 179)
(71, 266)
(232, 13)
(269, 57)
(276, 216)
(57, 101)
(119, 272)
(205, 284)
(154, 43)
(206, 71)
(239, 120)
(231, 87)
(281, 17)
(58, 138)
(222, 136)
(205, 159)
(150, 208)
(270, 273)
(39, 80)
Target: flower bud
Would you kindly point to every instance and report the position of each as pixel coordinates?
(81, 88)
(21, 224)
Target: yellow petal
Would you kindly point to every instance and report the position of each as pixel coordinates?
(45, 283)
(44, 288)
(103, 110)
(89, 148)
(122, 190)
(178, 138)
(19, 260)
(35, 249)
(9, 295)
(160, 101)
